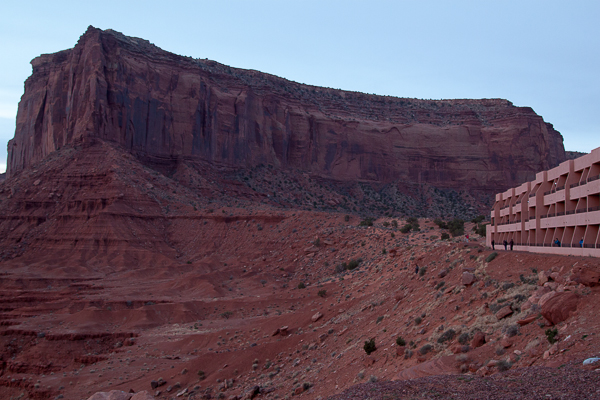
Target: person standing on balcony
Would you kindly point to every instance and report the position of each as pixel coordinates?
(505, 243)
(493, 243)
(581, 243)
(557, 242)
(512, 243)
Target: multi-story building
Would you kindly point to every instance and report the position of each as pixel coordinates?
(558, 212)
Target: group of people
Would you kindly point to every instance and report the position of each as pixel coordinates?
(512, 243)
(505, 243)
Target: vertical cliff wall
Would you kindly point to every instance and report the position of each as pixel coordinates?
(158, 104)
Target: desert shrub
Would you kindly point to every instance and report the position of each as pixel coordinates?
(379, 319)
(440, 285)
(366, 222)
(370, 346)
(201, 375)
(480, 229)
(347, 218)
(512, 330)
(456, 227)
(322, 293)
(392, 235)
(425, 349)
(352, 264)
(339, 268)
(478, 219)
(301, 285)
(445, 236)
(503, 365)
(499, 350)
(386, 224)
(226, 314)
(440, 223)
(463, 338)
(394, 224)
(507, 285)
(400, 341)
(406, 228)
(317, 242)
(491, 257)
(384, 251)
(422, 271)
(448, 335)
(418, 320)
(551, 335)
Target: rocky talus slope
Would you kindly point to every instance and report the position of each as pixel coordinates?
(120, 279)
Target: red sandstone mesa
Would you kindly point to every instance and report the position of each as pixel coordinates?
(158, 104)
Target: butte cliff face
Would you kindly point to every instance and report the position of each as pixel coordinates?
(159, 105)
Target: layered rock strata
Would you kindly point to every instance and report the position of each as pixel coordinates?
(160, 105)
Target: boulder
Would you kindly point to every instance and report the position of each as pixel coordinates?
(527, 320)
(478, 339)
(143, 395)
(560, 307)
(504, 312)
(545, 298)
(543, 277)
(586, 276)
(468, 278)
(112, 395)
(316, 317)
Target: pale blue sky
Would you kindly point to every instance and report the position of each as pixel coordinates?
(542, 54)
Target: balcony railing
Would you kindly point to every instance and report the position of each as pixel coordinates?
(581, 210)
(560, 213)
(593, 178)
(590, 209)
(560, 188)
(570, 212)
(531, 194)
(572, 185)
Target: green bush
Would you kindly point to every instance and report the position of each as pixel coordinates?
(366, 222)
(551, 335)
(350, 265)
(400, 341)
(440, 223)
(480, 229)
(422, 271)
(226, 314)
(322, 293)
(448, 335)
(478, 219)
(503, 365)
(394, 224)
(463, 338)
(491, 256)
(201, 375)
(418, 320)
(425, 349)
(301, 285)
(370, 346)
(406, 228)
(445, 236)
(456, 227)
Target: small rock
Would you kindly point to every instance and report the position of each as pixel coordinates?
(316, 317)
(504, 312)
(468, 278)
(478, 339)
(592, 360)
